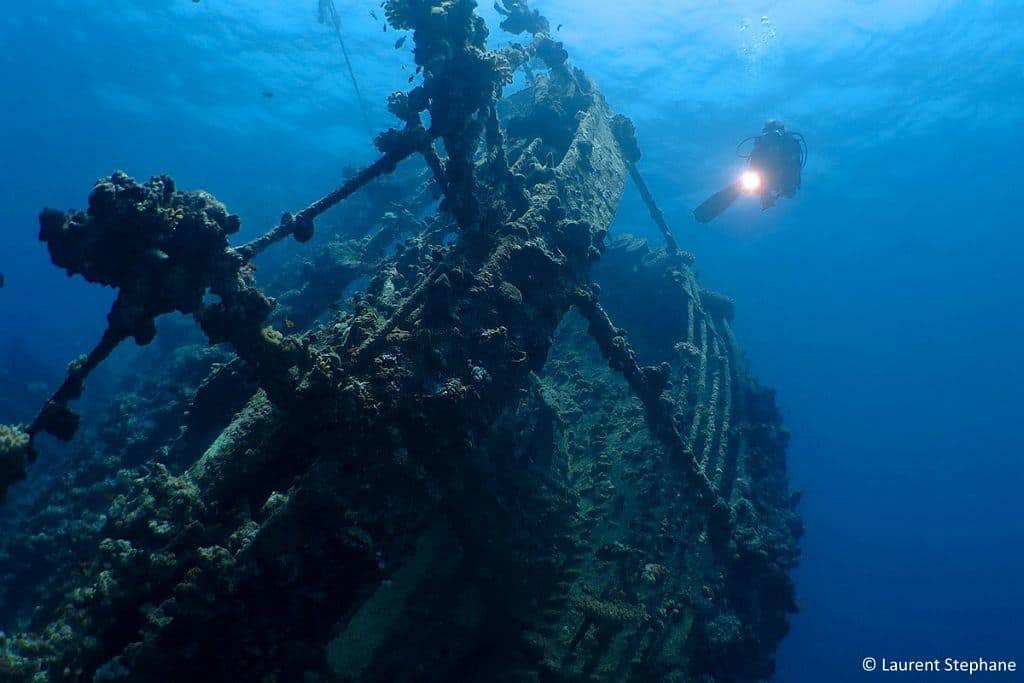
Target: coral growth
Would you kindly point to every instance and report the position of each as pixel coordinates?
(15, 454)
(161, 249)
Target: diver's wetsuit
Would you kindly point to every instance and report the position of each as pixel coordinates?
(777, 156)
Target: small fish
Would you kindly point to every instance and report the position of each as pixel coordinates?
(374, 15)
(559, 28)
(385, 28)
(1, 280)
(400, 42)
(267, 94)
(289, 323)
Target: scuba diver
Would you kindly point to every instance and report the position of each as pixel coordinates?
(773, 171)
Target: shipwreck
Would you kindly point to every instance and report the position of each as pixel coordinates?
(526, 448)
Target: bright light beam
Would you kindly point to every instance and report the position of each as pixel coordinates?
(750, 181)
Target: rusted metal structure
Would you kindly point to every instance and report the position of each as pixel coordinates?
(473, 474)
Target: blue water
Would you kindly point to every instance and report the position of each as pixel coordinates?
(885, 302)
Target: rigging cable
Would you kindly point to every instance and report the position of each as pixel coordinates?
(328, 12)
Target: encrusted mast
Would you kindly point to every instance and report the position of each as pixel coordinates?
(400, 480)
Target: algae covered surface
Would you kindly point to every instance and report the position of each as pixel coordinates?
(446, 422)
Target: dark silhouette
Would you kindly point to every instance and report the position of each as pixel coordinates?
(774, 169)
